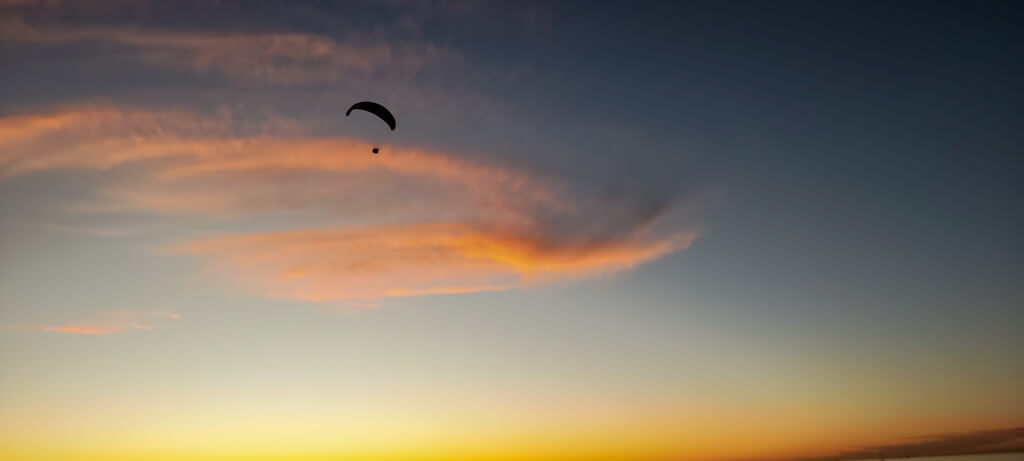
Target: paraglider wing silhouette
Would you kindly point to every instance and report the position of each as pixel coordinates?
(375, 109)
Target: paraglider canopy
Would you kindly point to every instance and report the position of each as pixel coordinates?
(375, 109)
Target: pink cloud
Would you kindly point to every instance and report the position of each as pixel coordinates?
(274, 58)
(74, 329)
(113, 322)
(191, 163)
(375, 262)
(415, 221)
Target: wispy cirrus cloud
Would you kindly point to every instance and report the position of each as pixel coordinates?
(410, 222)
(111, 322)
(165, 315)
(80, 329)
(188, 162)
(443, 258)
(277, 58)
(392, 61)
(95, 231)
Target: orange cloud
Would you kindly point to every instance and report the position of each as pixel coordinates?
(116, 322)
(165, 314)
(76, 329)
(101, 137)
(408, 260)
(410, 222)
(225, 171)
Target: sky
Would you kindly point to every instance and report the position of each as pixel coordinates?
(601, 230)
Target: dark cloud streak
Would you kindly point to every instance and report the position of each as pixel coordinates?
(960, 443)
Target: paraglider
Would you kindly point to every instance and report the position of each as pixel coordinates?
(376, 109)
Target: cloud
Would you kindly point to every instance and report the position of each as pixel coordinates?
(165, 314)
(150, 57)
(271, 58)
(984, 441)
(217, 153)
(108, 231)
(373, 262)
(74, 329)
(115, 322)
(361, 227)
(312, 216)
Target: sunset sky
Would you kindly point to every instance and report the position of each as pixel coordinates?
(602, 230)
